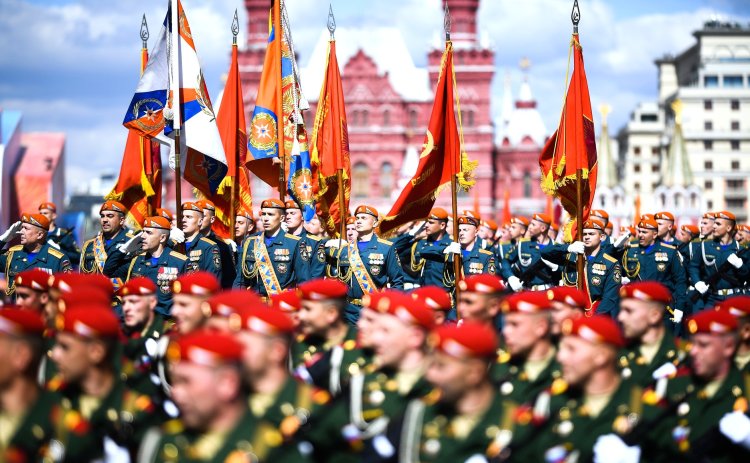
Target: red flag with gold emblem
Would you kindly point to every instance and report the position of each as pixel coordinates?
(572, 148)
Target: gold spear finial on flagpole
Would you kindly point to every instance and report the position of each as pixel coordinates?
(447, 23)
(331, 21)
(144, 31)
(575, 16)
(235, 27)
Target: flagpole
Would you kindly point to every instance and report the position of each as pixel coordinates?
(144, 57)
(331, 25)
(279, 95)
(236, 168)
(575, 17)
(176, 116)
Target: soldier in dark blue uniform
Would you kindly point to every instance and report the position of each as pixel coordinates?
(311, 248)
(63, 237)
(602, 271)
(270, 262)
(426, 256)
(33, 252)
(525, 259)
(203, 253)
(227, 248)
(147, 255)
(655, 260)
(474, 259)
(244, 226)
(371, 263)
(95, 251)
(667, 231)
(685, 236)
(710, 255)
(615, 248)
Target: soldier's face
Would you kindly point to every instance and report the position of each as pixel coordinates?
(256, 355)
(485, 233)
(315, 317)
(351, 233)
(293, 218)
(707, 227)
(579, 359)
(241, 226)
(505, 234)
(72, 355)
(453, 376)
(31, 234)
(152, 238)
(207, 220)
(137, 310)
(392, 339)
(722, 227)
(466, 234)
(591, 238)
(365, 223)
(665, 227)
(49, 213)
(710, 354)
(434, 226)
(191, 222)
(635, 317)
(522, 331)
(684, 236)
(314, 227)
(561, 312)
(646, 236)
(271, 219)
(187, 312)
(517, 230)
(474, 307)
(365, 326)
(194, 391)
(30, 299)
(111, 221)
(536, 228)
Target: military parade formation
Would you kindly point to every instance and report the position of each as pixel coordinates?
(171, 344)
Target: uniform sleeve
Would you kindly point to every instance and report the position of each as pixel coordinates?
(610, 302)
(69, 247)
(239, 278)
(3, 261)
(556, 253)
(116, 265)
(680, 283)
(506, 264)
(395, 272)
(301, 268)
(317, 264)
(434, 251)
(696, 262)
(402, 243)
(214, 261)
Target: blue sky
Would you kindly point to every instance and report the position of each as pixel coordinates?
(72, 66)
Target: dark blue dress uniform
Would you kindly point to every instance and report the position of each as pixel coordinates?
(95, 251)
(16, 259)
(476, 261)
(227, 273)
(708, 257)
(285, 259)
(64, 238)
(525, 257)
(161, 270)
(429, 257)
(204, 254)
(659, 262)
(313, 252)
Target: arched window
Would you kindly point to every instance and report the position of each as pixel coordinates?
(355, 117)
(364, 117)
(386, 180)
(413, 119)
(527, 184)
(386, 118)
(360, 180)
(470, 119)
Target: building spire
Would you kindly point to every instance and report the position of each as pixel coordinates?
(678, 171)
(607, 168)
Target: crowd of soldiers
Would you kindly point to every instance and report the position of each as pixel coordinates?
(170, 344)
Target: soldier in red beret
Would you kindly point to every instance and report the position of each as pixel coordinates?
(566, 302)
(32, 289)
(288, 302)
(437, 299)
(189, 293)
(225, 307)
(479, 298)
(739, 307)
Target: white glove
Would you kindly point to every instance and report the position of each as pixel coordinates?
(232, 244)
(577, 247)
(453, 248)
(10, 232)
(335, 243)
(701, 287)
(515, 283)
(677, 316)
(284, 227)
(177, 235)
(54, 244)
(414, 229)
(609, 448)
(624, 280)
(735, 260)
(621, 240)
(551, 265)
(131, 245)
(664, 371)
(114, 453)
(736, 426)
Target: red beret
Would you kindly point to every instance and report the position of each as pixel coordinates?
(245, 212)
(286, 301)
(405, 308)
(290, 204)
(609, 226)
(594, 224)
(48, 205)
(526, 302)
(37, 220)
(692, 229)
(34, 278)
(68, 282)
(366, 210)
(709, 215)
(377, 301)
(190, 206)
(712, 322)
(491, 224)
(623, 229)
(90, 321)
(646, 291)
(351, 220)
(434, 297)
(199, 283)
(739, 306)
(113, 206)
(468, 220)
(664, 216)
(235, 301)
(648, 217)
(321, 289)
(166, 213)
(544, 218)
(83, 296)
(520, 220)
(157, 221)
(207, 348)
(598, 329)
(599, 213)
(467, 340)
(470, 213)
(569, 295)
(648, 224)
(21, 322)
(263, 320)
(140, 286)
(273, 203)
(726, 215)
(206, 204)
(554, 227)
(483, 283)
(438, 213)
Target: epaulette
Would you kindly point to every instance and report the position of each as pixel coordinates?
(173, 426)
(503, 243)
(503, 356)
(349, 344)
(558, 386)
(54, 252)
(521, 240)
(484, 251)
(669, 246)
(178, 255)
(17, 247)
(610, 258)
(432, 397)
(208, 240)
(294, 237)
(314, 237)
(696, 240)
(386, 242)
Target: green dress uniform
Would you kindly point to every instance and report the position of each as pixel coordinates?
(24, 440)
(707, 259)
(525, 260)
(659, 262)
(161, 270)
(636, 365)
(16, 259)
(94, 254)
(519, 382)
(139, 369)
(64, 238)
(228, 261)
(603, 276)
(204, 254)
(280, 266)
(377, 266)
